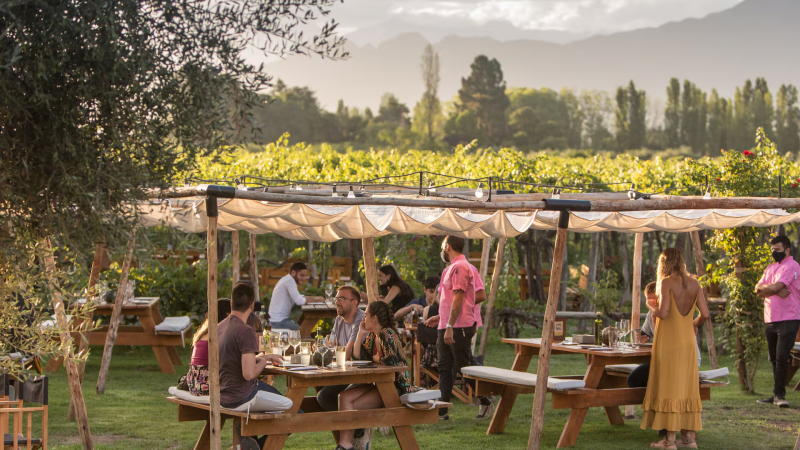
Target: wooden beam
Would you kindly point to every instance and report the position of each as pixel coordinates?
(83, 344)
(654, 204)
(113, 327)
(498, 269)
(370, 269)
(235, 255)
(636, 295)
(252, 253)
(73, 377)
(708, 327)
(213, 344)
(485, 255)
(543, 370)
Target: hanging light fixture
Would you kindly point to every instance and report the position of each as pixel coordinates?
(556, 194)
(334, 194)
(432, 188)
(707, 195)
(632, 192)
(479, 191)
(351, 194)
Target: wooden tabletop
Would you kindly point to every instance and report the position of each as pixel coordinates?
(137, 303)
(332, 372)
(624, 352)
(325, 307)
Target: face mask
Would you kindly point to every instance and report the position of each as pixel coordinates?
(445, 257)
(778, 256)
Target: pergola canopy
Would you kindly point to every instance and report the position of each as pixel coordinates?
(329, 223)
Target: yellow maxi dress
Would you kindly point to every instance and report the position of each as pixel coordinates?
(672, 400)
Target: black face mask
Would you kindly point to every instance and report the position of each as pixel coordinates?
(445, 257)
(778, 256)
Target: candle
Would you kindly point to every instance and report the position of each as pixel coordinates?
(305, 359)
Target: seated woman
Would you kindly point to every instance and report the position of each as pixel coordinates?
(395, 292)
(377, 340)
(197, 377)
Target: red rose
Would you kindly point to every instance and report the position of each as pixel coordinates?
(746, 153)
(794, 185)
(719, 179)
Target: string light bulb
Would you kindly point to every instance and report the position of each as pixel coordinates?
(556, 194)
(479, 191)
(707, 195)
(432, 188)
(351, 194)
(334, 194)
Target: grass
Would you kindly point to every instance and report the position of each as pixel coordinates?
(133, 414)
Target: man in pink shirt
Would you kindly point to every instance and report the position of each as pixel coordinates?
(456, 319)
(780, 288)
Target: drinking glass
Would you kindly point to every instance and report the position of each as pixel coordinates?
(637, 336)
(330, 344)
(341, 356)
(294, 340)
(274, 339)
(263, 316)
(320, 348)
(284, 343)
(328, 291)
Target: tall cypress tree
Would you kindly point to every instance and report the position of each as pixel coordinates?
(672, 114)
(484, 93)
(787, 119)
(637, 113)
(719, 123)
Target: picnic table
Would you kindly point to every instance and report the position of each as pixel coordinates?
(415, 354)
(146, 309)
(313, 312)
(602, 388)
(278, 426)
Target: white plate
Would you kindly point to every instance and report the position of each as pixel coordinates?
(302, 368)
(358, 363)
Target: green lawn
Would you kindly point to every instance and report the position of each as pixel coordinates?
(134, 415)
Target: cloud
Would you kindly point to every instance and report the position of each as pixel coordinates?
(593, 16)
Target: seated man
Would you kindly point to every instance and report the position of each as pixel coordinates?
(640, 375)
(239, 365)
(285, 296)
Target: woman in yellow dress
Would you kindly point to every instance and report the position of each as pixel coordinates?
(672, 401)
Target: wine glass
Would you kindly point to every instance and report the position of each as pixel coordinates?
(328, 291)
(294, 340)
(283, 343)
(625, 330)
(319, 347)
(330, 344)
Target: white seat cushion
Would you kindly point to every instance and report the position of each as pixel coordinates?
(796, 347)
(622, 368)
(262, 402)
(421, 396)
(521, 378)
(187, 396)
(174, 324)
(706, 375)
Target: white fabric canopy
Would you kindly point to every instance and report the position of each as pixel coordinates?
(331, 223)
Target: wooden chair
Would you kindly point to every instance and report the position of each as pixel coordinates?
(461, 389)
(32, 390)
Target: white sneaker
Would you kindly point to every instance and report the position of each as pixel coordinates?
(365, 441)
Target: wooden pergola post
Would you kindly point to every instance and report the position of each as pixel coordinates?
(498, 269)
(235, 255)
(697, 249)
(113, 327)
(484, 268)
(370, 269)
(73, 376)
(252, 253)
(83, 345)
(543, 370)
(636, 295)
(214, 422)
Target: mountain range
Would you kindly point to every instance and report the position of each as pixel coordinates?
(755, 38)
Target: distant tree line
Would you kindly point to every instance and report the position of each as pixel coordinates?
(537, 119)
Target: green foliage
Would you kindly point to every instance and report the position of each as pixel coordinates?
(414, 257)
(484, 93)
(745, 250)
(630, 117)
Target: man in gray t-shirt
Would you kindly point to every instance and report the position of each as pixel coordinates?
(345, 330)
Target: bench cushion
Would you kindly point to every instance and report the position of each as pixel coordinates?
(796, 347)
(187, 396)
(262, 402)
(622, 368)
(174, 324)
(421, 396)
(706, 375)
(521, 378)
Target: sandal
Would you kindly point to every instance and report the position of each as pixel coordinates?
(684, 442)
(665, 444)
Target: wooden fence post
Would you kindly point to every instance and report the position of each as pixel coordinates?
(235, 255)
(213, 345)
(486, 253)
(498, 269)
(73, 376)
(543, 370)
(252, 253)
(370, 269)
(697, 249)
(83, 345)
(636, 296)
(113, 327)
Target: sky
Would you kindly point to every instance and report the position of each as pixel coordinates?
(574, 16)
